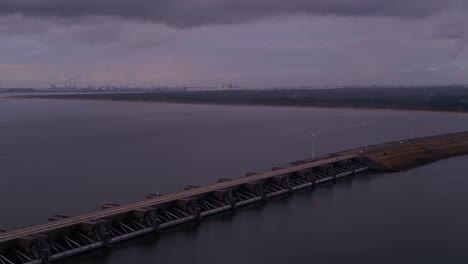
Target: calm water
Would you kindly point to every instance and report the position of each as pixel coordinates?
(69, 157)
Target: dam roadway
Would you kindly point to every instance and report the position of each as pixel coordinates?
(65, 236)
(162, 199)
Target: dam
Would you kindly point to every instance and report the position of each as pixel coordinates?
(65, 236)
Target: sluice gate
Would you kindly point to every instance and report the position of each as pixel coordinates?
(65, 236)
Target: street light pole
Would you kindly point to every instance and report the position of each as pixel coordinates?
(364, 127)
(314, 137)
(411, 128)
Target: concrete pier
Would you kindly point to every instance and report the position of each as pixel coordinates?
(64, 236)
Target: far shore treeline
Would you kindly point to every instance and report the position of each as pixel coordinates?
(446, 98)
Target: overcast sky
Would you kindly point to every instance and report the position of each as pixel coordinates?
(251, 43)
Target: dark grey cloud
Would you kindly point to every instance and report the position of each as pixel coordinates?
(330, 42)
(193, 13)
(454, 27)
(18, 25)
(123, 34)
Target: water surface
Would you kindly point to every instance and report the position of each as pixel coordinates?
(70, 157)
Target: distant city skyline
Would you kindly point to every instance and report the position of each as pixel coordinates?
(254, 43)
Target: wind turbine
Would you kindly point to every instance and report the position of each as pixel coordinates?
(314, 137)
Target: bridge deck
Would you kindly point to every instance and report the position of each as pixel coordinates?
(38, 229)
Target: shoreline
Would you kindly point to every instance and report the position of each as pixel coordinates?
(40, 97)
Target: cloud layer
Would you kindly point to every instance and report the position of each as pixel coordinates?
(193, 13)
(247, 42)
